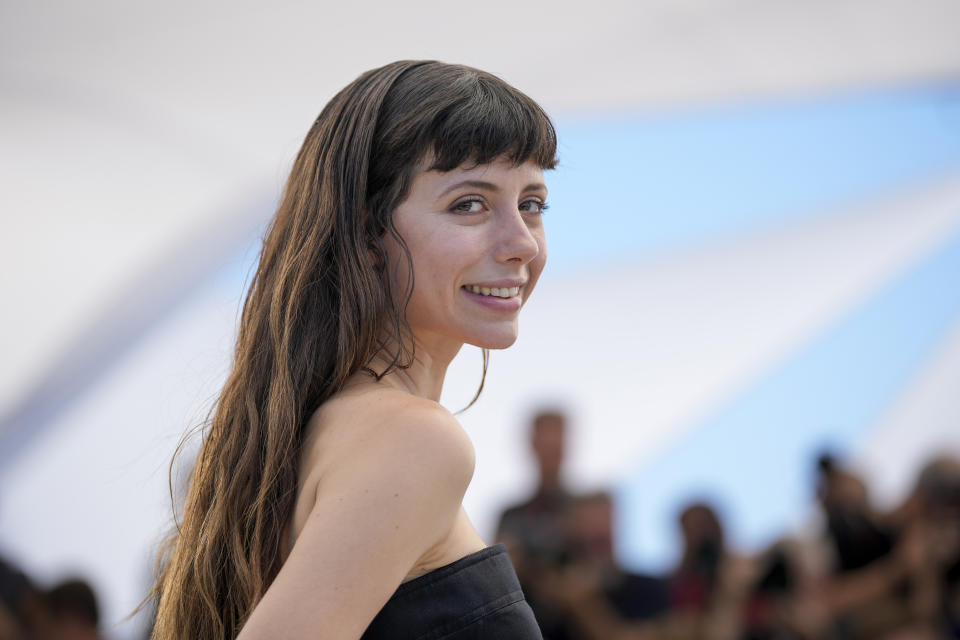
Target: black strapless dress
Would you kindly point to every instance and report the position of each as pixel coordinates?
(477, 597)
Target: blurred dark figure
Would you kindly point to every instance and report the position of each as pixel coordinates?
(865, 591)
(23, 610)
(74, 610)
(708, 586)
(770, 611)
(896, 573)
(694, 583)
(633, 596)
(857, 535)
(931, 524)
(534, 530)
(603, 600)
(9, 627)
(700, 600)
(68, 611)
(13, 586)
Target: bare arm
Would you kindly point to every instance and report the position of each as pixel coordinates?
(394, 494)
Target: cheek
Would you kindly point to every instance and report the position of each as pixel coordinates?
(435, 272)
(443, 256)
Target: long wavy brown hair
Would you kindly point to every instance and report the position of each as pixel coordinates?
(319, 308)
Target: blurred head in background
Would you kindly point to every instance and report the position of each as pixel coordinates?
(74, 610)
(591, 522)
(856, 533)
(548, 436)
(696, 579)
(24, 613)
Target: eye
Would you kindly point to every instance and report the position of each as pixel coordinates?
(472, 205)
(534, 205)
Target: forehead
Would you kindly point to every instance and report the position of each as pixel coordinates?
(499, 175)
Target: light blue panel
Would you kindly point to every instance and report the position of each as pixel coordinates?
(647, 183)
(755, 456)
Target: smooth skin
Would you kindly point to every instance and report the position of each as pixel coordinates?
(385, 467)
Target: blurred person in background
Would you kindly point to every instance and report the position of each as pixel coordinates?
(326, 501)
(24, 614)
(709, 585)
(74, 611)
(695, 580)
(67, 611)
(602, 599)
(864, 595)
(534, 531)
(895, 573)
(9, 627)
(700, 600)
(857, 534)
(770, 610)
(930, 521)
(13, 586)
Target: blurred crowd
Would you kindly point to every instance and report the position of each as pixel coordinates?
(65, 611)
(869, 575)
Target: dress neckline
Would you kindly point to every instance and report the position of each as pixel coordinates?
(449, 569)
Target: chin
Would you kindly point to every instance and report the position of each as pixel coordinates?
(494, 341)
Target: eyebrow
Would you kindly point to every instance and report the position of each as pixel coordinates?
(489, 186)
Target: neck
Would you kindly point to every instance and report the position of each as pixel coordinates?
(424, 377)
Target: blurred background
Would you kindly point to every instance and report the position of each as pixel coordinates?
(751, 306)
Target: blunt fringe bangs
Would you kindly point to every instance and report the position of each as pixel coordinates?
(452, 115)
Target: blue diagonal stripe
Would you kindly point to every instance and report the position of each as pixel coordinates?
(754, 457)
(647, 183)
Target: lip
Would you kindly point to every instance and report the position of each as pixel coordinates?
(503, 305)
(499, 284)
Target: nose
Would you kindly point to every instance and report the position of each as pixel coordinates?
(516, 241)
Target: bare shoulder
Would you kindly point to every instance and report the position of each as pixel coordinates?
(393, 428)
(386, 474)
(409, 422)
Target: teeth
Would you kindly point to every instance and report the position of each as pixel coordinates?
(499, 292)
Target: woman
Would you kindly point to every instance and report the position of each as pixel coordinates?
(326, 500)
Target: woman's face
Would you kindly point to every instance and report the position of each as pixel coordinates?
(476, 238)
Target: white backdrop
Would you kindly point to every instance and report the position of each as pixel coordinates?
(142, 147)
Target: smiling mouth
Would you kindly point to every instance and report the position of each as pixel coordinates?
(497, 292)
